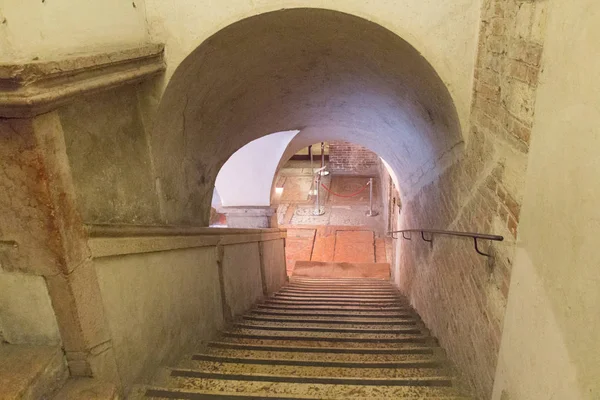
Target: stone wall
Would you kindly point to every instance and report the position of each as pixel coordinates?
(168, 290)
(462, 295)
(109, 158)
(349, 158)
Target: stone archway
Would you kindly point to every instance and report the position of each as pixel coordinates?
(305, 69)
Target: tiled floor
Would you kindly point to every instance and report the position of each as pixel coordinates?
(344, 233)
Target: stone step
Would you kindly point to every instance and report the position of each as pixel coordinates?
(158, 393)
(360, 281)
(31, 372)
(294, 385)
(297, 347)
(335, 292)
(365, 298)
(359, 329)
(341, 289)
(316, 369)
(357, 293)
(360, 355)
(330, 321)
(334, 301)
(334, 313)
(315, 332)
(326, 269)
(330, 341)
(336, 306)
(339, 286)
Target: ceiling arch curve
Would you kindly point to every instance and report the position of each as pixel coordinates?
(317, 71)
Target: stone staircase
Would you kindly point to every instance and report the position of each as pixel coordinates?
(318, 339)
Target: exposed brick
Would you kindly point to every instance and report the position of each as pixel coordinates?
(528, 52)
(459, 294)
(523, 72)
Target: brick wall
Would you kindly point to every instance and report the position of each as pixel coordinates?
(349, 158)
(460, 294)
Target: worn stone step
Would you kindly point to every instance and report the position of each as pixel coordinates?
(327, 387)
(287, 327)
(336, 313)
(330, 341)
(325, 333)
(321, 363)
(338, 298)
(275, 377)
(355, 281)
(305, 289)
(340, 285)
(336, 306)
(160, 393)
(332, 321)
(332, 300)
(317, 369)
(298, 347)
(357, 355)
(331, 292)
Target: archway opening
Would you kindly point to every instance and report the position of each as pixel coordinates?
(324, 73)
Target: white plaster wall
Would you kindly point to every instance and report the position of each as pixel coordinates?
(246, 178)
(550, 340)
(445, 32)
(32, 29)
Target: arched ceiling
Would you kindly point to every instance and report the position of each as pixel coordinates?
(322, 72)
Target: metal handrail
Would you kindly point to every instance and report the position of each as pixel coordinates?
(433, 232)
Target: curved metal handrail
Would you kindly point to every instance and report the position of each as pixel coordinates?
(433, 232)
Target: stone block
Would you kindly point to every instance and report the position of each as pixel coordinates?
(248, 217)
(242, 285)
(526, 51)
(31, 372)
(26, 314)
(159, 306)
(273, 261)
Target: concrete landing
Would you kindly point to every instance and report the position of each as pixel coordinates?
(31, 372)
(317, 269)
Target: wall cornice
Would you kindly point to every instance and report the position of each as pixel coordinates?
(32, 88)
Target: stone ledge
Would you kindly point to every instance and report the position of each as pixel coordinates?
(115, 230)
(107, 246)
(36, 87)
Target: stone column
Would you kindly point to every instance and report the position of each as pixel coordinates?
(39, 214)
(249, 216)
(41, 230)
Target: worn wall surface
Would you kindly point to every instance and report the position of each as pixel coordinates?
(109, 158)
(444, 32)
(461, 295)
(349, 158)
(550, 341)
(272, 255)
(27, 316)
(241, 277)
(159, 305)
(47, 29)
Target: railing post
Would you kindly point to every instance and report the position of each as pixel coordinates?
(371, 213)
(318, 210)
